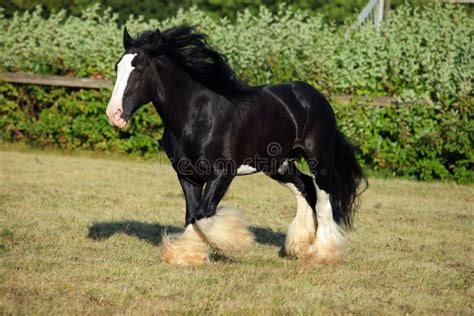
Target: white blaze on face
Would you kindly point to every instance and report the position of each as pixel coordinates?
(115, 107)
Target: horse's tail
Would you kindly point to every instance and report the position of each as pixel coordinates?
(346, 179)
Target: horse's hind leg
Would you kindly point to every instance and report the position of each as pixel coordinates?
(329, 243)
(301, 232)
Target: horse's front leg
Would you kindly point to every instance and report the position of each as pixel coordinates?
(225, 229)
(214, 191)
(190, 247)
(192, 194)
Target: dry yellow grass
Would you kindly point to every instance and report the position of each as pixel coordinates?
(81, 235)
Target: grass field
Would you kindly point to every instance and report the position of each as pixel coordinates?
(82, 235)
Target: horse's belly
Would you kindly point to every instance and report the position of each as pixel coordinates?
(246, 169)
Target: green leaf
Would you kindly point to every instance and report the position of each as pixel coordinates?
(302, 165)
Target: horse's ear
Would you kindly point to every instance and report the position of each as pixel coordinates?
(127, 39)
(157, 37)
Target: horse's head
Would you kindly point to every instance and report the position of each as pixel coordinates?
(135, 84)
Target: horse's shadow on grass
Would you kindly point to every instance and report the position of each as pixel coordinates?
(153, 233)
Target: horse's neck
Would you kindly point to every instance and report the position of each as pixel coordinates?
(174, 95)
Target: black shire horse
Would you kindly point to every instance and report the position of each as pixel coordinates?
(217, 127)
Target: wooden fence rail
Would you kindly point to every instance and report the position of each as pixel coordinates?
(62, 81)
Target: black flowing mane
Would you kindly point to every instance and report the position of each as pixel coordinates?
(191, 51)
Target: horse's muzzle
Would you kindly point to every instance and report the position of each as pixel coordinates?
(115, 115)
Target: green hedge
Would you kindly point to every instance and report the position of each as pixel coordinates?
(419, 141)
(422, 141)
(423, 54)
(73, 119)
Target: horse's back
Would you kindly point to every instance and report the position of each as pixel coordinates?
(304, 104)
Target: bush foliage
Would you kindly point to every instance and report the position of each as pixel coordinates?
(419, 141)
(422, 141)
(420, 54)
(71, 119)
(335, 10)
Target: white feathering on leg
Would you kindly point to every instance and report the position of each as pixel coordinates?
(301, 232)
(329, 244)
(227, 231)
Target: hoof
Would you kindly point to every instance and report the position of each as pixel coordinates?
(298, 246)
(187, 249)
(328, 248)
(325, 254)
